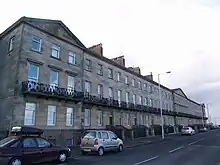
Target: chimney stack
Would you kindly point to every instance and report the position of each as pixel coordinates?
(150, 77)
(135, 69)
(97, 49)
(119, 60)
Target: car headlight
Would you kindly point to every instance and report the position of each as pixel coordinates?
(69, 149)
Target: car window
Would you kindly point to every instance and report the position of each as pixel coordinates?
(91, 135)
(105, 135)
(99, 135)
(7, 140)
(43, 143)
(112, 135)
(16, 144)
(29, 143)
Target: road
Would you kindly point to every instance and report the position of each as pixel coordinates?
(199, 149)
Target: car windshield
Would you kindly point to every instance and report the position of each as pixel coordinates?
(7, 140)
(187, 128)
(91, 135)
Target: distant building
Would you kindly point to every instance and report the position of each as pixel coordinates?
(50, 80)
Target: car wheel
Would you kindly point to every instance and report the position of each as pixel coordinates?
(100, 151)
(120, 148)
(15, 161)
(62, 157)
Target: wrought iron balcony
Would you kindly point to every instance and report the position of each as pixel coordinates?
(47, 90)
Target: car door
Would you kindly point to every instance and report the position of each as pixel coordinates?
(29, 150)
(48, 152)
(113, 140)
(105, 141)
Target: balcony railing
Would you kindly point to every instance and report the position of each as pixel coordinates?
(47, 90)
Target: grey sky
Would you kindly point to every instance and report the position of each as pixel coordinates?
(158, 35)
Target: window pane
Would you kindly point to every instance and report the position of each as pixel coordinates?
(33, 73)
(51, 116)
(42, 143)
(54, 78)
(88, 87)
(55, 51)
(99, 118)
(29, 143)
(29, 115)
(11, 43)
(110, 92)
(70, 82)
(36, 43)
(72, 58)
(69, 116)
(87, 117)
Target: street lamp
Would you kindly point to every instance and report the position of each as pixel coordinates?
(161, 110)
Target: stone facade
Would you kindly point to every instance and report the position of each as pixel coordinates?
(14, 71)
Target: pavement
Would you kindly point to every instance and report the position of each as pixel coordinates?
(199, 149)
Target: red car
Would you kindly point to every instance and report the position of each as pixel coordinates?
(28, 147)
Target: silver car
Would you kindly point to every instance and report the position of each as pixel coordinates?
(100, 141)
(187, 131)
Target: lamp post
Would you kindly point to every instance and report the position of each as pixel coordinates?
(161, 110)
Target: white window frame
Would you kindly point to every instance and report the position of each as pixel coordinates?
(69, 116)
(88, 86)
(100, 89)
(57, 81)
(110, 73)
(38, 42)
(100, 69)
(140, 99)
(145, 101)
(151, 102)
(72, 56)
(100, 117)
(87, 117)
(134, 99)
(110, 92)
(70, 85)
(118, 76)
(119, 96)
(30, 107)
(133, 82)
(139, 84)
(11, 43)
(51, 110)
(145, 86)
(126, 79)
(57, 49)
(127, 97)
(30, 78)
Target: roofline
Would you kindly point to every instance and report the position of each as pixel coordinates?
(201, 104)
(105, 59)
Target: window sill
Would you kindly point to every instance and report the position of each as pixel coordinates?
(51, 125)
(88, 70)
(55, 58)
(36, 51)
(72, 64)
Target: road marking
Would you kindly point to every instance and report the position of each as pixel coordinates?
(196, 141)
(144, 161)
(176, 149)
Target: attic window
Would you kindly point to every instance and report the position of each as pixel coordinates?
(36, 43)
(11, 43)
(55, 51)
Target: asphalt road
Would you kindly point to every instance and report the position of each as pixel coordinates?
(199, 149)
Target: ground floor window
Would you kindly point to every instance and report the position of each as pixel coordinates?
(99, 118)
(51, 115)
(87, 117)
(69, 117)
(29, 115)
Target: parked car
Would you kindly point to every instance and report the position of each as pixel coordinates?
(100, 141)
(187, 131)
(203, 129)
(26, 146)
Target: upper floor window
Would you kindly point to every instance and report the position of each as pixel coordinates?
(110, 73)
(151, 102)
(118, 76)
(139, 84)
(29, 115)
(11, 43)
(134, 99)
(54, 78)
(126, 79)
(126, 97)
(51, 115)
(132, 82)
(36, 43)
(88, 65)
(119, 96)
(87, 86)
(70, 83)
(110, 92)
(100, 69)
(140, 100)
(69, 116)
(145, 101)
(87, 117)
(145, 86)
(33, 73)
(72, 58)
(100, 89)
(55, 51)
